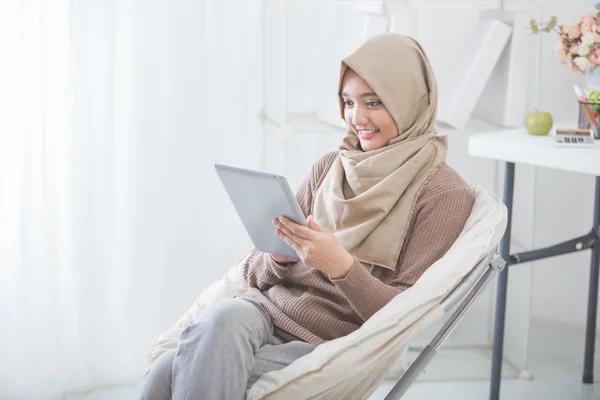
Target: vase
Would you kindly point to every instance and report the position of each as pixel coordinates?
(592, 93)
(592, 78)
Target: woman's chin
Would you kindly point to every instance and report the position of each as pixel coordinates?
(369, 145)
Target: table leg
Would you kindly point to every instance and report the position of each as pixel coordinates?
(590, 334)
(509, 181)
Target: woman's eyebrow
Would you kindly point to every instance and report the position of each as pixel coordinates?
(366, 94)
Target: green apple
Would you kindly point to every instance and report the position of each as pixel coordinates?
(593, 96)
(538, 122)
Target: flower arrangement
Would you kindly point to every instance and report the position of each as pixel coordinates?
(578, 44)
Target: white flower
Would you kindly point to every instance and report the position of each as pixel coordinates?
(583, 50)
(589, 38)
(559, 44)
(582, 63)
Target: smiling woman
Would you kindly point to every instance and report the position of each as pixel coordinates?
(380, 212)
(365, 113)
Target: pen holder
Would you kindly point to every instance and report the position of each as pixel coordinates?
(589, 117)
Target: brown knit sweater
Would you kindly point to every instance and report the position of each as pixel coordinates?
(306, 305)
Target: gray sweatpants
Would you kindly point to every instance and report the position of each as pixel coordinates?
(221, 355)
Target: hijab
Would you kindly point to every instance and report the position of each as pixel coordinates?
(367, 198)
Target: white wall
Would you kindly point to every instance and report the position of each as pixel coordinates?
(563, 200)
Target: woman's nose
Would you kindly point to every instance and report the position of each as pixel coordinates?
(359, 117)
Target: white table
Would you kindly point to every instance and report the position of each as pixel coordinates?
(517, 146)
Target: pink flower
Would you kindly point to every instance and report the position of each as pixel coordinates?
(588, 23)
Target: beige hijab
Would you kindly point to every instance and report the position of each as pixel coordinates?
(367, 198)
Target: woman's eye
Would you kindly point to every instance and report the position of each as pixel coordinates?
(347, 103)
(374, 103)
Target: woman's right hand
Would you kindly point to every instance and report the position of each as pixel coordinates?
(282, 259)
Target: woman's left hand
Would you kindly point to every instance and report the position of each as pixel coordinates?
(316, 246)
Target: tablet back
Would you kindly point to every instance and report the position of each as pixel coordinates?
(259, 198)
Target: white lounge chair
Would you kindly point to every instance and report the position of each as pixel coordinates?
(353, 366)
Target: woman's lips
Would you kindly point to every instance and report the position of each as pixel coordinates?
(367, 133)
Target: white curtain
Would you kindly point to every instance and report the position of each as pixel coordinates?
(111, 217)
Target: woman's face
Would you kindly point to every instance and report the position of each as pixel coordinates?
(365, 114)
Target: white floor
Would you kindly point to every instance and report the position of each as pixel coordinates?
(556, 359)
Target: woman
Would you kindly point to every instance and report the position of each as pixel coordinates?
(381, 211)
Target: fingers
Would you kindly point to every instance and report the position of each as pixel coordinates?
(282, 228)
(292, 241)
(312, 224)
(298, 230)
(287, 239)
(286, 233)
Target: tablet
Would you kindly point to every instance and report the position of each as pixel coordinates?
(259, 198)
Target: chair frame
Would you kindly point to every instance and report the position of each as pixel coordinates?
(464, 295)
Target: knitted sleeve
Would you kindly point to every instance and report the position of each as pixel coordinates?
(436, 226)
(261, 271)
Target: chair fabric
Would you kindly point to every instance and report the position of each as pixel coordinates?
(353, 366)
